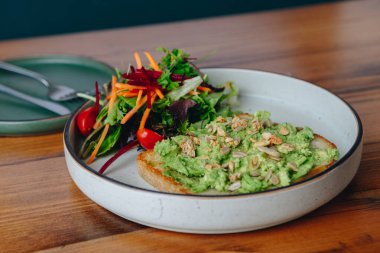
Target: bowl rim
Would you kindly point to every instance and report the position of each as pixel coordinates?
(340, 161)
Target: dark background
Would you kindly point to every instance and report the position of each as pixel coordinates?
(28, 18)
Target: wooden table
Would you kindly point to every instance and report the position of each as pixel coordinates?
(334, 45)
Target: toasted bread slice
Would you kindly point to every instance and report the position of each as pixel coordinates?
(322, 143)
(149, 168)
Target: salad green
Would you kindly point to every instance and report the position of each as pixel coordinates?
(161, 100)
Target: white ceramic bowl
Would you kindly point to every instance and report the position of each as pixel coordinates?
(123, 192)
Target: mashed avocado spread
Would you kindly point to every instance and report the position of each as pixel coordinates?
(244, 153)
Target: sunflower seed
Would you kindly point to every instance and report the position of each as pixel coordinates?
(293, 166)
(239, 128)
(211, 128)
(275, 140)
(236, 141)
(274, 180)
(268, 175)
(275, 158)
(231, 165)
(262, 143)
(239, 154)
(286, 147)
(255, 126)
(210, 137)
(234, 177)
(234, 186)
(228, 139)
(238, 124)
(267, 135)
(195, 140)
(187, 148)
(220, 132)
(215, 166)
(220, 119)
(225, 150)
(269, 151)
(255, 162)
(283, 131)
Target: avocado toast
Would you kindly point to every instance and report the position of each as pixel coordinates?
(244, 153)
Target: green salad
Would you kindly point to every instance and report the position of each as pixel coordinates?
(148, 103)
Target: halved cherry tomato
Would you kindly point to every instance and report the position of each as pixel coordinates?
(86, 120)
(148, 138)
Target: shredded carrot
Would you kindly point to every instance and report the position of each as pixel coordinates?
(127, 94)
(133, 110)
(144, 118)
(129, 86)
(153, 63)
(146, 113)
(193, 92)
(138, 60)
(159, 93)
(204, 89)
(139, 95)
(107, 126)
(113, 94)
(102, 137)
(98, 122)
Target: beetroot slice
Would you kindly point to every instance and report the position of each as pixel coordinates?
(141, 76)
(126, 148)
(97, 96)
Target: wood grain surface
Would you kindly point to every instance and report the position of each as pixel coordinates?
(335, 45)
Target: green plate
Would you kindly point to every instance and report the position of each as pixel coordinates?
(18, 117)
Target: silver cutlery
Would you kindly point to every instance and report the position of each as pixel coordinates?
(51, 106)
(55, 92)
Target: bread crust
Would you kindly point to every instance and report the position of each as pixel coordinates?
(320, 168)
(149, 168)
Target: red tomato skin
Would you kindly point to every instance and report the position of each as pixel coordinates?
(86, 120)
(148, 138)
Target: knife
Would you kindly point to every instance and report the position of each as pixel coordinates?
(51, 106)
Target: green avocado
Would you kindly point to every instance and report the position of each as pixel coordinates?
(245, 153)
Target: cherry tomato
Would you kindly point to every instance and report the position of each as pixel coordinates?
(148, 138)
(86, 120)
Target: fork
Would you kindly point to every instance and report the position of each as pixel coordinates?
(55, 92)
(51, 106)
